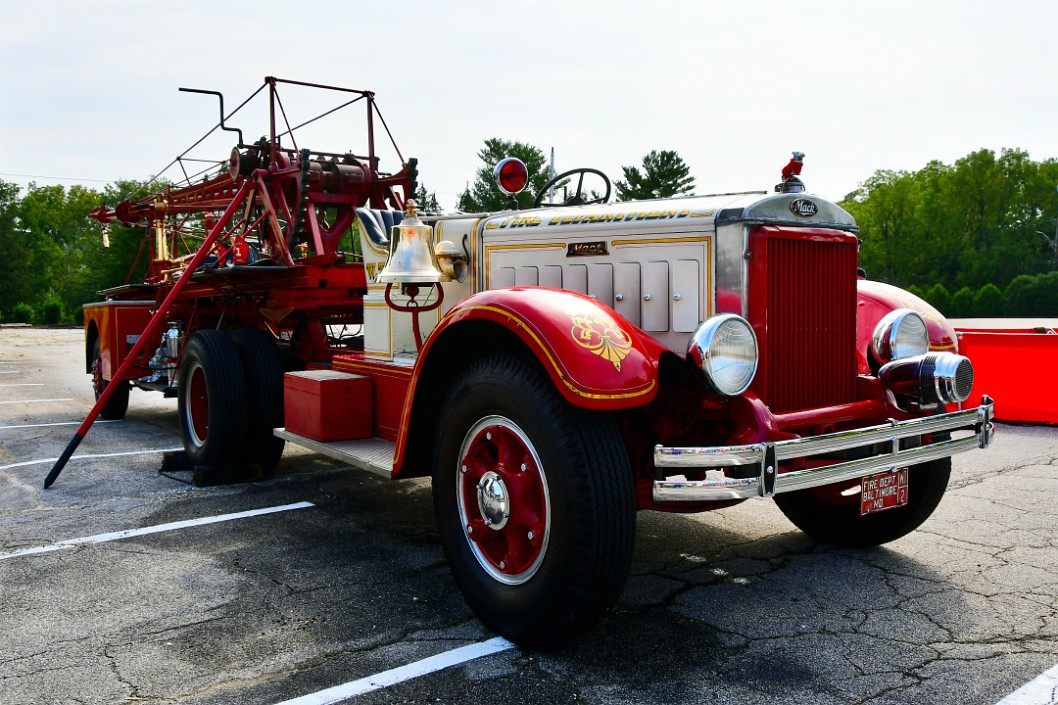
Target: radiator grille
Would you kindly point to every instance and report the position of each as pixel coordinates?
(809, 351)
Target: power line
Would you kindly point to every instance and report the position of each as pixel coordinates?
(56, 178)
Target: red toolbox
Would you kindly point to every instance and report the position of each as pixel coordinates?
(326, 405)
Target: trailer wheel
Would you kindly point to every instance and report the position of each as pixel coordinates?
(118, 404)
(534, 501)
(262, 366)
(212, 399)
(829, 518)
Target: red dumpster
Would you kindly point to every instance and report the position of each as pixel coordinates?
(1016, 367)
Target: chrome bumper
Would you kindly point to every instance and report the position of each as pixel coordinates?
(767, 456)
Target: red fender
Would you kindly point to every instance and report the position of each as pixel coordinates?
(877, 299)
(595, 358)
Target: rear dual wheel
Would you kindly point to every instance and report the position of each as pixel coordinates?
(230, 398)
(262, 368)
(535, 503)
(212, 399)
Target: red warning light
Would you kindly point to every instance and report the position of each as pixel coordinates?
(511, 175)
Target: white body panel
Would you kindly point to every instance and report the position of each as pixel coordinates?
(657, 263)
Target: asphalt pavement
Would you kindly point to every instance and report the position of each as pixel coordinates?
(321, 576)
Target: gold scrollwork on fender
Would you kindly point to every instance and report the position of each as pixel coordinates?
(601, 336)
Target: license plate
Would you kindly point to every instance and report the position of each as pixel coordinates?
(885, 490)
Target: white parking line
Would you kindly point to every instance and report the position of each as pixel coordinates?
(42, 461)
(1043, 690)
(35, 401)
(23, 384)
(158, 528)
(59, 423)
(397, 675)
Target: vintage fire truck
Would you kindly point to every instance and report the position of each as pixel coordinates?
(553, 370)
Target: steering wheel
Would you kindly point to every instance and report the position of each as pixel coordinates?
(576, 199)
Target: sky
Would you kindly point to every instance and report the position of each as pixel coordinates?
(88, 88)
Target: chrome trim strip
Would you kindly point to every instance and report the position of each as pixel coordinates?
(854, 469)
(844, 440)
(718, 456)
(977, 420)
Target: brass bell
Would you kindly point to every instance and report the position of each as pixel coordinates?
(411, 255)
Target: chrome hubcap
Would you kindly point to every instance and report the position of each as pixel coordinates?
(503, 500)
(493, 501)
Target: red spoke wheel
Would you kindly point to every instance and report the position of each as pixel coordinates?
(212, 399)
(503, 500)
(534, 501)
(197, 409)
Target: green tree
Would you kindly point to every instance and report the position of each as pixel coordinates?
(51, 312)
(664, 174)
(1032, 295)
(63, 254)
(22, 313)
(1019, 297)
(1048, 294)
(126, 258)
(988, 302)
(884, 207)
(61, 260)
(484, 195)
(426, 201)
(15, 283)
(962, 303)
(966, 224)
(939, 298)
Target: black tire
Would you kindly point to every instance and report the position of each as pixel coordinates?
(569, 532)
(825, 516)
(118, 404)
(262, 367)
(212, 399)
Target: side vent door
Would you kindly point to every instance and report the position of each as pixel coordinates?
(655, 297)
(685, 295)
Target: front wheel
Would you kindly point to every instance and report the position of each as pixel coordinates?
(827, 516)
(535, 503)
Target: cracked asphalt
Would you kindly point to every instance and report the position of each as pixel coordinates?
(732, 606)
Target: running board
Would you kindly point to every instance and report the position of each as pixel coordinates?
(371, 454)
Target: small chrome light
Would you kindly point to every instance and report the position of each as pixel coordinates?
(935, 377)
(901, 333)
(950, 376)
(724, 348)
(451, 260)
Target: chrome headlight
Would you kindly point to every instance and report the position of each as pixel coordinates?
(901, 333)
(724, 348)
